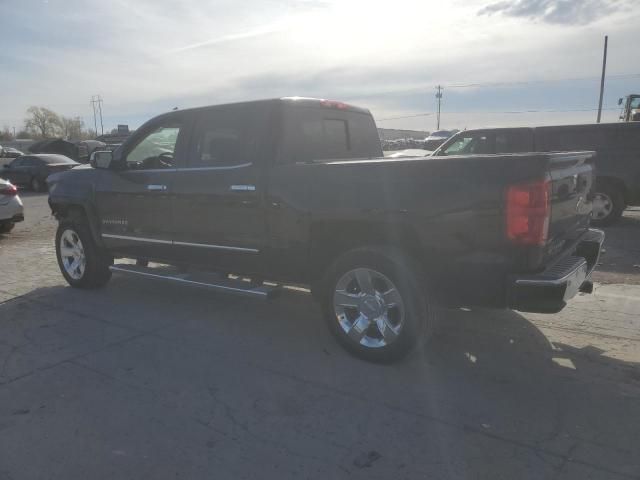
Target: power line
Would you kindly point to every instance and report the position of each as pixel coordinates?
(426, 114)
(96, 104)
(533, 82)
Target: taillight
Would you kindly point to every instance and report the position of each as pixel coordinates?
(8, 190)
(528, 211)
(334, 104)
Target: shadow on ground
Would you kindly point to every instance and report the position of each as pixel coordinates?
(231, 379)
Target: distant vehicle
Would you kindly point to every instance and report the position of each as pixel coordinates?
(87, 147)
(295, 191)
(437, 138)
(33, 170)
(631, 111)
(8, 152)
(57, 146)
(11, 210)
(617, 161)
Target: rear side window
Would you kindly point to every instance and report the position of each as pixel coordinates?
(229, 136)
(316, 134)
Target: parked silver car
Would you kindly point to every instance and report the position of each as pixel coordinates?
(11, 209)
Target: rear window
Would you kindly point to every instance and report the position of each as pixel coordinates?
(316, 134)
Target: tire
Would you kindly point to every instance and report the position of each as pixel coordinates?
(37, 185)
(92, 269)
(608, 205)
(6, 227)
(372, 326)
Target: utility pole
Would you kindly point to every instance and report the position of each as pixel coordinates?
(604, 69)
(96, 100)
(14, 133)
(439, 97)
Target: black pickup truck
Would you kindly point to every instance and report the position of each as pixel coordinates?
(295, 191)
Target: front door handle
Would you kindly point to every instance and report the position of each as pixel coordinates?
(157, 188)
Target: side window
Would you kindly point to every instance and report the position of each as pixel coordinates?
(313, 134)
(223, 138)
(514, 141)
(155, 150)
(473, 144)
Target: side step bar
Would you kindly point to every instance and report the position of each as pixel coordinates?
(211, 281)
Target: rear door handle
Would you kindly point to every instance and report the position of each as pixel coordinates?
(157, 188)
(242, 188)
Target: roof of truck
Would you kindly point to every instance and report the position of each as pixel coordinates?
(299, 101)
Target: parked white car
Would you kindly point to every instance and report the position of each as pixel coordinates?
(11, 210)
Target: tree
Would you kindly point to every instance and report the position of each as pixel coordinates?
(72, 128)
(6, 134)
(42, 122)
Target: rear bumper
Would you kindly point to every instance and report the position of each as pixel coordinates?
(550, 290)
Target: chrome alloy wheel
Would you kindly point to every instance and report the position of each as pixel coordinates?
(602, 206)
(368, 307)
(72, 254)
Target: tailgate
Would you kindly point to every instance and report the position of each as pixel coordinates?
(572, 177)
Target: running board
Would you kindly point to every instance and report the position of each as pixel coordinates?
(211, 281)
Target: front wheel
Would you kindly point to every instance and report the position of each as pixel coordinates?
(79, 258)
(376, 304)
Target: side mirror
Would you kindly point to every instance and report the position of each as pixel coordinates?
(101, 159)
(619, 101)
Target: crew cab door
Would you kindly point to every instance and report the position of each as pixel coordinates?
(134, 200)
(218, 195)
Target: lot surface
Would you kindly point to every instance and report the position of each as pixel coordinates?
(147, 380)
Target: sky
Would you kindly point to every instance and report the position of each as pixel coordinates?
(501, 62)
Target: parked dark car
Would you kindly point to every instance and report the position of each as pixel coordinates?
(617, 163)
(295, 191)
(32, 170)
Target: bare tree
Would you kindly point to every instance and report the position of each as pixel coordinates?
(5, 134)
(42, 122)
(72, 128)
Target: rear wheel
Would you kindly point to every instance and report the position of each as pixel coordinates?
(376, 304)
(38, 185)
(608, 205)
(81, 262)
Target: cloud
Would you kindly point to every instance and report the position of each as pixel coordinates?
(568, 12)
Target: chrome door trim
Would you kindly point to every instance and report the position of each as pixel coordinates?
(181, 244)
(206, 169)
(219, 247)
(136, 239)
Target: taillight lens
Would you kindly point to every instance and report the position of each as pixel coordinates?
(8, 190)
(528, 211)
